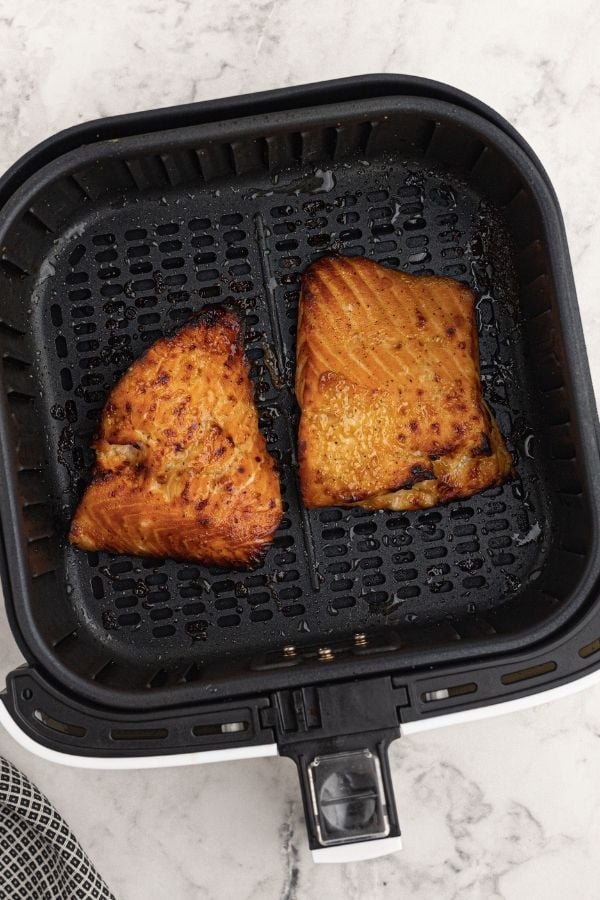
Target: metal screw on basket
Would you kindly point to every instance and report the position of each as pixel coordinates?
(360, 639)
(325, 654)
(289, 651)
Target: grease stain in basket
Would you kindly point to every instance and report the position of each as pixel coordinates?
(321, 182)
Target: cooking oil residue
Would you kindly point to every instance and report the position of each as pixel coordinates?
(437, 587)
(272, 366)
(321, 182)
(534, 534)
(529, 446)
(519, 493)
(443, 195)
(327, 181)
(397, 212)
(65, 455)
(197, 630)
(511, 583)
(109, 620)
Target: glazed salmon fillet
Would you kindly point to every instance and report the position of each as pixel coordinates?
(182, 469)
(388, 383)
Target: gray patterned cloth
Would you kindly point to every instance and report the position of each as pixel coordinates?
(40, 858)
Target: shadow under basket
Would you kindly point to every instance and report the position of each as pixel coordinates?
(113, 235)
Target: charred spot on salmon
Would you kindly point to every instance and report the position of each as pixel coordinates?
(443, 449)
(211, 316)
(163, 378)
(421, 474)
(484, 448)
(451, 331)
(101, 475)
(402, 485)
(414, 426)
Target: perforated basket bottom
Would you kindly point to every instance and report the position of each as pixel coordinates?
(127, 275)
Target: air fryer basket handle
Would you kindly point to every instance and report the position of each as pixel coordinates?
(338, 735)
(349, 800)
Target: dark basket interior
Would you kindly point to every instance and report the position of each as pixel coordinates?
(113, 250)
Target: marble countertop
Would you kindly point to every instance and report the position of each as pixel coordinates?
(504, 808)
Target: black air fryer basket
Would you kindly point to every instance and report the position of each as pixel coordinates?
(113, 234)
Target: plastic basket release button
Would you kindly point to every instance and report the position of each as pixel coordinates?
(338, 735)
(347, 797)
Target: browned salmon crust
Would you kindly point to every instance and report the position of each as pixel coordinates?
(388, 382)
(182, 469)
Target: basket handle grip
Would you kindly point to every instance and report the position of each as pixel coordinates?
(338, 735)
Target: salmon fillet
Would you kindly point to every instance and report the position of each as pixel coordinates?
(182, 469)
(388, 383)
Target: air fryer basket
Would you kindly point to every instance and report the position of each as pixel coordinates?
(110, 245)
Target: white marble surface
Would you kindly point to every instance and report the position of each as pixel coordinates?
(505, 808)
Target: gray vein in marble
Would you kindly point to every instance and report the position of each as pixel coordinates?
(287, 834)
